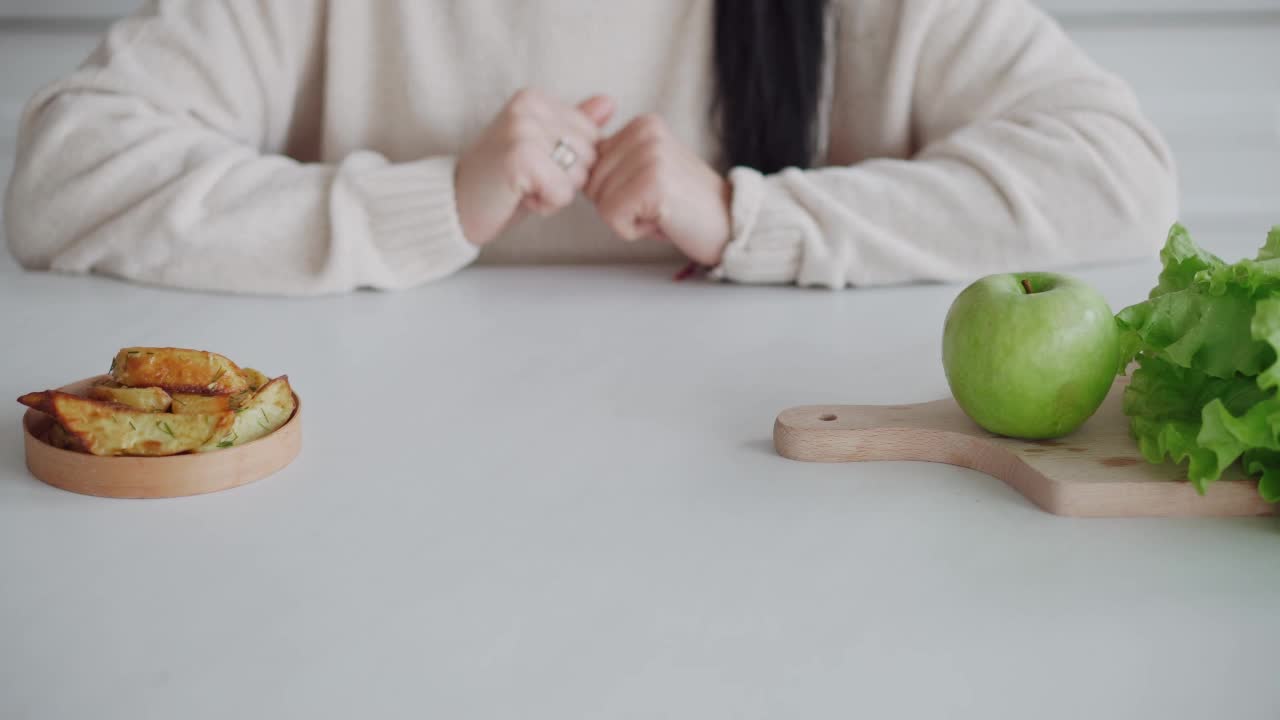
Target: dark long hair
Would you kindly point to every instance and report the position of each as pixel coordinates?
(769, 57)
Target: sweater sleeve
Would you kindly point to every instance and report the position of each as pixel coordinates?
(1027, 156)
(174, 156)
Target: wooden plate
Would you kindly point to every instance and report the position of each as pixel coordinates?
(156, 477)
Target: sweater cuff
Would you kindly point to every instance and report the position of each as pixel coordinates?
(770, 233)
(413, 220)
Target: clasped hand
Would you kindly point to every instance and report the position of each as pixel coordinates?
(642, 180)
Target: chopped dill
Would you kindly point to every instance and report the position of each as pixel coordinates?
(214, 382)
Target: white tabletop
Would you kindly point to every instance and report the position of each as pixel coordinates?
(551, 493)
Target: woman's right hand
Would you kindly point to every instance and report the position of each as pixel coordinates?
(511, 167)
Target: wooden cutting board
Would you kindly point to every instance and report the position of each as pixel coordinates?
(1096, 472)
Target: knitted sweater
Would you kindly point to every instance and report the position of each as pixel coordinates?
(309, 146)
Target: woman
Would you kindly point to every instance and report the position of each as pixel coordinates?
(318, 146)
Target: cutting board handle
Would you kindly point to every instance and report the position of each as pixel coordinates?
(930, 432)
(1096, 472)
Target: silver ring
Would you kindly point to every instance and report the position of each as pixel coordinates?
(564, 155)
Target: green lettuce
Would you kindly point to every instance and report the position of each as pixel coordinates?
(1206, 343)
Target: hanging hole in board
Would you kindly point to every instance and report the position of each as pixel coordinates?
(827, 418)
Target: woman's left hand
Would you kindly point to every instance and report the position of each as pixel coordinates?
(647, 184)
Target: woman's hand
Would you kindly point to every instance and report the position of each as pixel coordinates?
(647, 184)
(511, 166)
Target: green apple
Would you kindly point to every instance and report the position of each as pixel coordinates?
(1030, 355)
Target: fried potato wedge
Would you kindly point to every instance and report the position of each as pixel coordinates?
(257, 379)
(267, 411)
(148, 399)
(56, 435)
(107, 429)
(176, 370)
(38, 401)
(187, 404)
(61, 439)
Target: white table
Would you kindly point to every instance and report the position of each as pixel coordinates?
(551, 493)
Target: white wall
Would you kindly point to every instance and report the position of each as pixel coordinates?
(1208, 72)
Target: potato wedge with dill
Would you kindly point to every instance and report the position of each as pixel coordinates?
(108, 429)
(187, 404)
(257, 379)
(268, 410)
(149, 399)
(161, 401)
(61, 439)
(177, 370)
(38, 401)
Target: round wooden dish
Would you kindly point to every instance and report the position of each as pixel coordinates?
(156, 477)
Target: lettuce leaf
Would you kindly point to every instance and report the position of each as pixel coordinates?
(1206, 343)
(1189, 416)
(1193, 329)
(1183, 260)
(1257, 277)
(1162, 391)
(1265, 328)
(1266, 465)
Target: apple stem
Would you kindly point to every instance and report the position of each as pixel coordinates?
(1026, 285)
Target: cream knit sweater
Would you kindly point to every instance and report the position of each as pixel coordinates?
(308, 146)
